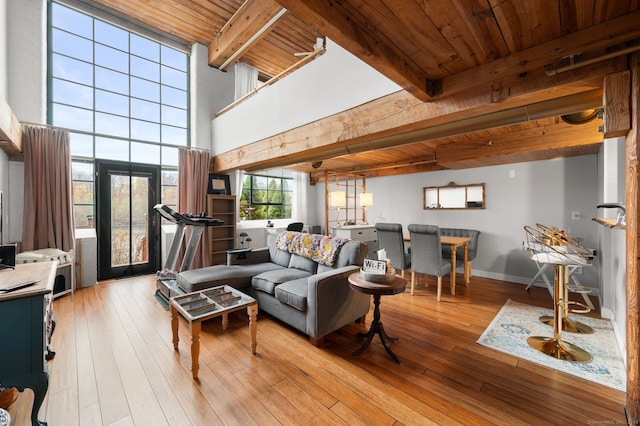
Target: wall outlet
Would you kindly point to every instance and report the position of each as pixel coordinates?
(575, 215)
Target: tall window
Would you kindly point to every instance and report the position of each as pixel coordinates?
(267, 194)
(123, 96)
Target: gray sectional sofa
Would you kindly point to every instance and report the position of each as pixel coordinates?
(303, 292)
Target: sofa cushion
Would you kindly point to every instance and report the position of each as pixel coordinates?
(279, 257)
(300, 262)
(350, 254)
(267, 281)
(293, 293)
(237, 276)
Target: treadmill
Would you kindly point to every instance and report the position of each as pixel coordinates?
(166, 286)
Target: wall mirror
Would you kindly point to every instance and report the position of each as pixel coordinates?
(454, 196)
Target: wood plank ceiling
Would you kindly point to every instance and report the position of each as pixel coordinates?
(463, 64)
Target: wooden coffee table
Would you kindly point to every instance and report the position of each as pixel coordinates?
(206, 304)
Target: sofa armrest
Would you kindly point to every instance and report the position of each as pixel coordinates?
(249, 257)
(331, 303)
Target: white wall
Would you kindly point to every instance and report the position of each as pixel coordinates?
(331, 83)
(544, 192)
(210, 91)
(612, 243)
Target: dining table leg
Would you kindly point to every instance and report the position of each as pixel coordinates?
(453, 270)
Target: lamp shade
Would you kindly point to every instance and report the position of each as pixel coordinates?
(337, 199)
(366, 199)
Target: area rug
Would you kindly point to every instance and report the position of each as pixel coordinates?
(509, 330)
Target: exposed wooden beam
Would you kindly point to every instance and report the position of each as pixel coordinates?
(241, 30)
(10, 129)
(617, 112)
(341, 23)
(632, 261)
(502, 84)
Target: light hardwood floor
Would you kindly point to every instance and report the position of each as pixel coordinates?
(115, 365)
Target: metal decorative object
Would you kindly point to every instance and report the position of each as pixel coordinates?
(562, 251)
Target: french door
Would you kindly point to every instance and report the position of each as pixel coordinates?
(127, 227)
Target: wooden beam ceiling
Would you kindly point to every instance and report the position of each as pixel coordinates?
(342, 23)
(250, 24)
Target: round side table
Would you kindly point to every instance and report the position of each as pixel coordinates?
(359, 284)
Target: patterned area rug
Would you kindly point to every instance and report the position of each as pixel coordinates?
(509, 330)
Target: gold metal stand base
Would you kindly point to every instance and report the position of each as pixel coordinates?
(558, 349)
(568, 325)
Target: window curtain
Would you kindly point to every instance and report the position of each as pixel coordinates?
(246, 79)
(193, 180)
(48, 190)
(238, 193)
(299, 208)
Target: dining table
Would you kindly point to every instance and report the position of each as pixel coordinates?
(454, 243)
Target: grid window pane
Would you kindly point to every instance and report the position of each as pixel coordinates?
(72, 21)
(71, 69)
(174, 116)
(112, 149)
(145, 89)
(112, 58)
(82, 192)
(169, 156)
(144, 68)
(144, 110)
(174, 78)
(145, 153)
(169, 177)
(112, 102)
(173, 58)
(72, 45)
(174, 136)
(72, 93)
(112, 80)
(174, 97)
(112, 36)
(81, 215)
(72, 118)
(81, 171)
(81, 146)
(109, 124)
(145, 131)
(145, 48)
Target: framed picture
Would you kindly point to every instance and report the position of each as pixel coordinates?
(219, 184)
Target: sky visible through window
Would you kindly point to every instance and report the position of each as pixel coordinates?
(124, 97)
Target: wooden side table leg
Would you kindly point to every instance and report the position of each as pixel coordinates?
(252, 310)
(174, 325)
(196, 326)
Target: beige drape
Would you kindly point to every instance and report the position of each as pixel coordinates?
(193, 178)
(48, 190)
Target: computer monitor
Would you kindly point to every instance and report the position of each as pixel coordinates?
(8, 256)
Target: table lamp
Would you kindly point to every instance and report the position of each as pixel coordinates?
(366, 200)
(337, 199)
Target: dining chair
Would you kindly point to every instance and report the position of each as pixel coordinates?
(426, 255)
(390, 238)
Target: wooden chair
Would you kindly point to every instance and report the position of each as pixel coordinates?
(426, 255)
